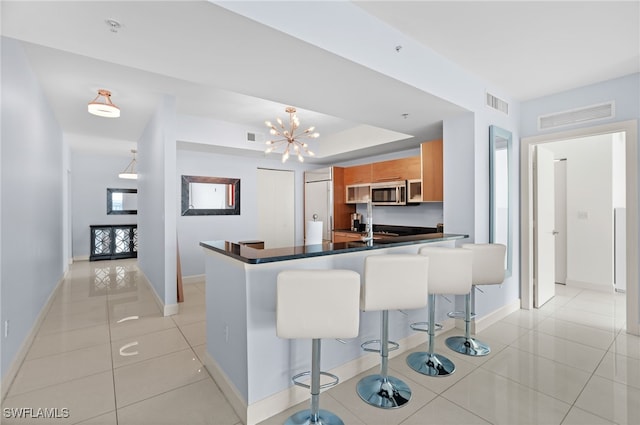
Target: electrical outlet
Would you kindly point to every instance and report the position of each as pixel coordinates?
(6, 328)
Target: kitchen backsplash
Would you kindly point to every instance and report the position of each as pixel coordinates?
(423, 215)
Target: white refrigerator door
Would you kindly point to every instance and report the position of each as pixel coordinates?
(318, 198)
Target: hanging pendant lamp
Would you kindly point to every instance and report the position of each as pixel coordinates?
(289, 138)
(130, 172)
(102, 105)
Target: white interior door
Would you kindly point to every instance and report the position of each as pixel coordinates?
(276, 211)
(544, 231)
(560, 223)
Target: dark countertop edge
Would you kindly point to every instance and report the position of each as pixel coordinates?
(250, 255)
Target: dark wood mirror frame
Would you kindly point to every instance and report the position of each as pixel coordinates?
(110, 210)
(233, 196)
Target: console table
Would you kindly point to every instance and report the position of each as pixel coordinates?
(113, 241)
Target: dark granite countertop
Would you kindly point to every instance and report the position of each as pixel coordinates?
(258, 256)
(394, 230)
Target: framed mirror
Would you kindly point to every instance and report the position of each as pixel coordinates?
(500, 228)
(210, 196)
(122, 201)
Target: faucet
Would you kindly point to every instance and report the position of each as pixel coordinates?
(369, 228)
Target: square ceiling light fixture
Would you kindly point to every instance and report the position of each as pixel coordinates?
(102, 105)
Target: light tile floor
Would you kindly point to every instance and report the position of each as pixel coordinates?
(105, 353)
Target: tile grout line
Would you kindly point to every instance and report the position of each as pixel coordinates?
(573, 404)
(37, 332)
(113, 372)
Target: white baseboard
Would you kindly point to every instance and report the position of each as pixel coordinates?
(12, 371)
(238, 403)
(171, 309)
(592, 286)
(80, 258)
(196, 278)
(280, 401)
(167, 309)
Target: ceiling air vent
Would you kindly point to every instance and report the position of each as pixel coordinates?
(255, 137)
(576, 116)
(497, 104)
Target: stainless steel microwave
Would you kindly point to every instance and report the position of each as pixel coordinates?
(389, 193)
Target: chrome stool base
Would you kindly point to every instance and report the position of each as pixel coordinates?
(430, 364)
(324, 417)
(468, 346)
(388, 393)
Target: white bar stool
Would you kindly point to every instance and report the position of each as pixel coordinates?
(390, 282)
(488, 269)
(449, 273)
(317, 304)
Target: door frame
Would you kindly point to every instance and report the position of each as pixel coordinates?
(561, 207)
(630, 128)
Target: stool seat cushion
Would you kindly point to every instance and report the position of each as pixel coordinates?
(394, 282)
(449, 269)
(318, 304)
(488, 262)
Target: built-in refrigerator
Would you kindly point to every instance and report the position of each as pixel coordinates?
(318, 199)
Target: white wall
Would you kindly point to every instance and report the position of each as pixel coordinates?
(32, 195)
(589, 209)
(157, 201)
(202, 161)
(459, 175)
(92, 174)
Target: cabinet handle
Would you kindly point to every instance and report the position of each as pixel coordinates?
(386, 179)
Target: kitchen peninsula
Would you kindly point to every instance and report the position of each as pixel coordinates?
(250, 363)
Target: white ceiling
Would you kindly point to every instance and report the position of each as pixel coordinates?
(222, 65)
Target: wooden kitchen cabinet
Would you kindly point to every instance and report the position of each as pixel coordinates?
(346, 237)
(357, 174)
(341, 210)
(396, 169)
(432, 171)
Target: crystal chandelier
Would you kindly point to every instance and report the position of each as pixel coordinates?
(289, 137)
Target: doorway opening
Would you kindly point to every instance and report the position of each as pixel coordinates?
(530, 246)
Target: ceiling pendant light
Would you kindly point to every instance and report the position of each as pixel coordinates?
(102, 105)
(130, 172)
(289, 138)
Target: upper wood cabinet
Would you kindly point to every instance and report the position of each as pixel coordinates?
(396, 169)
(432, 171)
(357, 174)
(341, 210)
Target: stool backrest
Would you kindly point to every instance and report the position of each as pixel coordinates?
(318, 304)
(449, 269)
(488, 262)
(394, 281)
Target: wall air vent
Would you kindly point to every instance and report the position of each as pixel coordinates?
(497, 104)
(255, 137)
(577, 116)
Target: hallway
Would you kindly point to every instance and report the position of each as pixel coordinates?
(105, 353)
